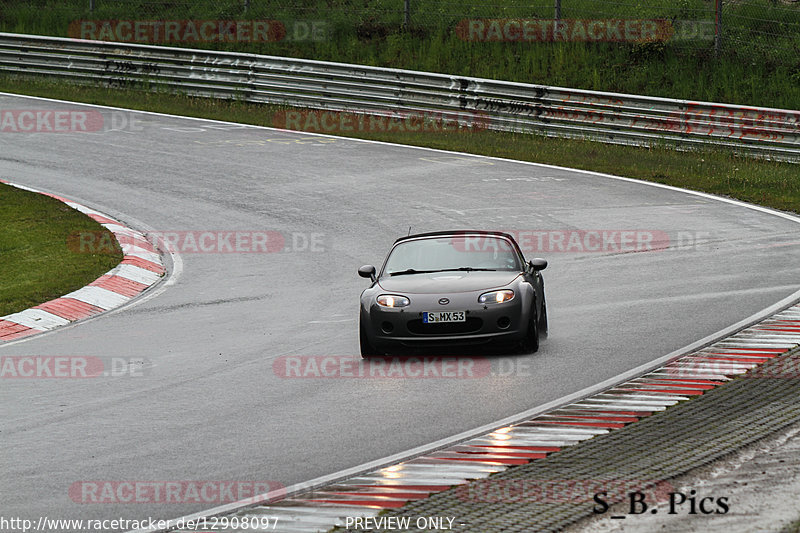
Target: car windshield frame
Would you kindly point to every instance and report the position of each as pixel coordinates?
(493, 259)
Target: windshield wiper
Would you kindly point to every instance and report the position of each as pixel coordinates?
(460, 269)
(411, 271)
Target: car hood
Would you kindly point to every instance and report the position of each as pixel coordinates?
(441, 282)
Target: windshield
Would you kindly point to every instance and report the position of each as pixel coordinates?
(480, 252)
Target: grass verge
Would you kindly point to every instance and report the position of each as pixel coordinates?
(757, 64)
(719, 172)
(37, 264)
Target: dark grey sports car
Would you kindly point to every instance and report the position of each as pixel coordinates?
(453, 288)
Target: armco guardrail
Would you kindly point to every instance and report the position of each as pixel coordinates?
(506, 106)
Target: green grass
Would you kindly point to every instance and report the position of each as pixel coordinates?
(762, 182)
(759, 63)
(37, 263)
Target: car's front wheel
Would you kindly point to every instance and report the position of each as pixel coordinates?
(530, 343)
(543, 321)
(367, 350)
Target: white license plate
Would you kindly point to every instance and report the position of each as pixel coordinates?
(444, 316)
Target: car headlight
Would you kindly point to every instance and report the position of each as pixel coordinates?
(496, 297)
(393, 300)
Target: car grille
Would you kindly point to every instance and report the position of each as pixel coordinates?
(471, 325)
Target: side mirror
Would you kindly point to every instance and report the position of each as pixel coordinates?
(367, 271)
(537, 264)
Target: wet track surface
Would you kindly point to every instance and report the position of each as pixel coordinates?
(210, 405)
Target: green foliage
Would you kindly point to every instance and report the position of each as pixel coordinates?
(38, 264)
(758, 65)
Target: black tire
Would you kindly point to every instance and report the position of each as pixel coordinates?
(543, 328)
(367, 350)
(530, 344)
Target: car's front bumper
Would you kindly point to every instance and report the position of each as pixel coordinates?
(506, 322)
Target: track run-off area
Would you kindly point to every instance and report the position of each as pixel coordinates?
(225, 391)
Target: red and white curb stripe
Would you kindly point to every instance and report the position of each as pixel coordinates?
(681, 378)
(141, 267)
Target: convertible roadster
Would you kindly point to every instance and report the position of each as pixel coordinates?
(453, 288)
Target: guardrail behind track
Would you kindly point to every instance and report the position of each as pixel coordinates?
(498, 105)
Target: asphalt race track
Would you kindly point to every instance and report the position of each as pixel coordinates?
(209, 405)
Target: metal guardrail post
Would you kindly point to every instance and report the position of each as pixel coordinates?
(718, 28)
(407, 14)
(557, 14)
